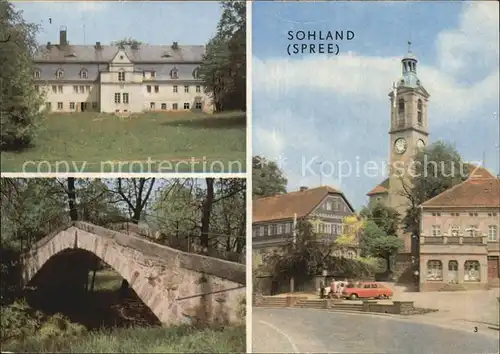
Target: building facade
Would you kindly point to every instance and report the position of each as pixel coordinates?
(459, 240)
(120, 79)
(274, 218)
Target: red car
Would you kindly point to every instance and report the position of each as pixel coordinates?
(367, 290)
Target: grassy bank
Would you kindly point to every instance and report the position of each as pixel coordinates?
(137, 340)
(148, 142)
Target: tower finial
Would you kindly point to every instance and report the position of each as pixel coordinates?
(409, 47)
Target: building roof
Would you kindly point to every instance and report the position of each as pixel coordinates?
(105, 53)
(382, 188)
(284, 206)
(481, 189)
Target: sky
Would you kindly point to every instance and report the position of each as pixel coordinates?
(318, 114)
(189, 23)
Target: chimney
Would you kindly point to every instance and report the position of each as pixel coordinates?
(98, 45)
(303, 188)
(49, 45)
(63, 39)
(175, 45)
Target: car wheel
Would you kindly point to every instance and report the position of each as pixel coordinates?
(353, 297)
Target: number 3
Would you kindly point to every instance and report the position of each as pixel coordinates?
(475, 329)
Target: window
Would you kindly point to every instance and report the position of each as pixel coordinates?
(152, 105)
(60, 73)
(196, 73)
(366, 286)
(37, 88)
(492, 233)
(153, 74)
(472, 231)
(72, 105)
(125, 98)
(82, 89)
(54, 88)
(455, 230)
(472, 214)
(186, 105)
(87, 88)
(84, 74)
(186, 89)
(419, 112)
(198, 105)
(48, 106)
(75, 89)
(117, 97)
(37, 74)
(163, 106)
(436, 230)
(175, 89)
(157, 89)
(455, 214)
(175, 106)
(279, 229)
(434, 270)
(328, 206)
(472, 271)
(60, 89)
(174, 73)
(198, 88)
(121, 76)
(148, 88)
(86, 105)
(59, 105)
(401, 112)
(94, 105)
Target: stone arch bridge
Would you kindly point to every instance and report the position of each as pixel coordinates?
(177, 286)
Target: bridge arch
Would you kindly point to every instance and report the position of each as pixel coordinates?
(177, 286)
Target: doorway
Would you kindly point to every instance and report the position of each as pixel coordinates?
(82, 106)
(453, 272)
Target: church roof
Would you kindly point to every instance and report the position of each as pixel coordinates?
(381, 188)
(284, 206)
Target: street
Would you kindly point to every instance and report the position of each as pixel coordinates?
(308, 331)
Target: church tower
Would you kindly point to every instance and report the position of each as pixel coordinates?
(408, 132)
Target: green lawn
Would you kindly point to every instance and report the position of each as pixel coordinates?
(149, 142)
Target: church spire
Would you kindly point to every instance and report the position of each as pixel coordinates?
(409, 70)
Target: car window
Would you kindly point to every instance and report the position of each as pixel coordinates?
(350, 286)
(373, 286)
(366, 286)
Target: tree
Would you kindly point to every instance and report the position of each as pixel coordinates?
(20, 103)
(127, 41)
(223, 68)
(377, 243)
(385, 217)
(351, 229)
(135, 192)
(437, 169)
(267, 178)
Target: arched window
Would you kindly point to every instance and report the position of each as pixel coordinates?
(60, 73)
(419, 112)
(401, 112)
(174, 73)
(37, 74)
(84, 74)
(434, 270)
(472, 271)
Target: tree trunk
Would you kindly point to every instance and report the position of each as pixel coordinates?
(73, 211)
(388, 262)
(207, 211)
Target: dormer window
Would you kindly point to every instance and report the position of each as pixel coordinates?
(37, 74)
(84, 74)
(59, 73)
(174, 73)
(196, 73)
(121, 76)
(166, 55)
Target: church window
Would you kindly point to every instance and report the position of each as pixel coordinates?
(401, 112)
(419, 112)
